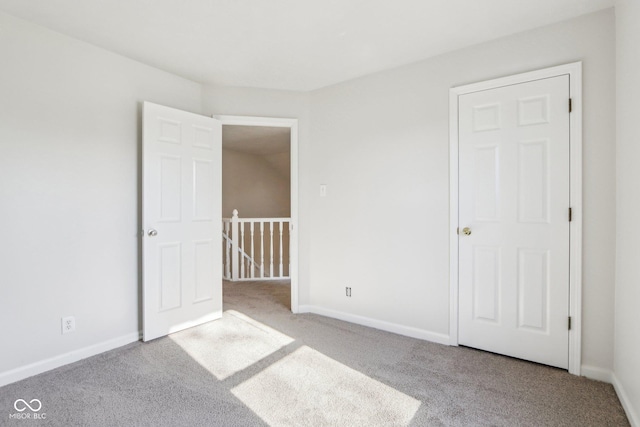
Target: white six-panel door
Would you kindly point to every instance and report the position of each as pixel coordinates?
(182, 190)
(514, 154)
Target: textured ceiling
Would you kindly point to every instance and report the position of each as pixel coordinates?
(289, 44)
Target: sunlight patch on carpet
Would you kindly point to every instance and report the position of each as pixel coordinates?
(231, 344)
(308, 388)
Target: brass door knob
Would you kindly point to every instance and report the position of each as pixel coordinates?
(466, 231)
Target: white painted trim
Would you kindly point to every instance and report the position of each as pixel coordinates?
(45, 365)
(607, 376)
(453, 217)
(575, 248)
(574, 71)
(395, 328)
(598, 374)
(293, 125)
(632, 415)
(256, 121)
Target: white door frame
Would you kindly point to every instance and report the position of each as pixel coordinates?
(292, 124)
(574, 71)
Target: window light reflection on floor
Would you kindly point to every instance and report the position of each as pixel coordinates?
(232, 343)
(308, 388)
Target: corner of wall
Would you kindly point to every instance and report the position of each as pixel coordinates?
(632, 415)
(595, 373)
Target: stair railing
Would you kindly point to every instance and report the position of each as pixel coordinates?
(248, 241)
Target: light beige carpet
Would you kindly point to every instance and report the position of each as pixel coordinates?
(262, 365)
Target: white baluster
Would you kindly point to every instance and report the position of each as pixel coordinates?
(261, 249)
(281, 267)
(289, 246)
(241, 248)
(227, 252)
(271, 242)
(235, 265)
(251, 261)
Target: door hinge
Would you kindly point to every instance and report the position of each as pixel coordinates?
(570, 214)
(569, 323)
(570, 105)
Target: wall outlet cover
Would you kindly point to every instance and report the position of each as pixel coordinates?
(68, 324)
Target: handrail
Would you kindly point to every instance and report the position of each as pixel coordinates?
(244, 254)
(230, 240)
(279, 219)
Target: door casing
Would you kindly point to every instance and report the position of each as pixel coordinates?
(292, 124)
(574, 71)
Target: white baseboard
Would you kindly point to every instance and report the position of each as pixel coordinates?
(598, 374)
(32, 369)
(408, 331)
(632, 414)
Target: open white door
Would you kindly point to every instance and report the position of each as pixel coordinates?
(182, 204)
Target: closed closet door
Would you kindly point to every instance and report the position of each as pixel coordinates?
(514, 177)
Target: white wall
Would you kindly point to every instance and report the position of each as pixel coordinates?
(253, 186)
(627, 314)
(281, 162)
(69, 143)
(380, 143)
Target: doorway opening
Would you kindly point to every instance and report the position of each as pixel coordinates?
(259, 203)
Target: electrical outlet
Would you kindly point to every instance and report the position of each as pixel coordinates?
(348, 291)
(68, 324)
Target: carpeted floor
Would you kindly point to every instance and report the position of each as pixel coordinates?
(262, 365)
